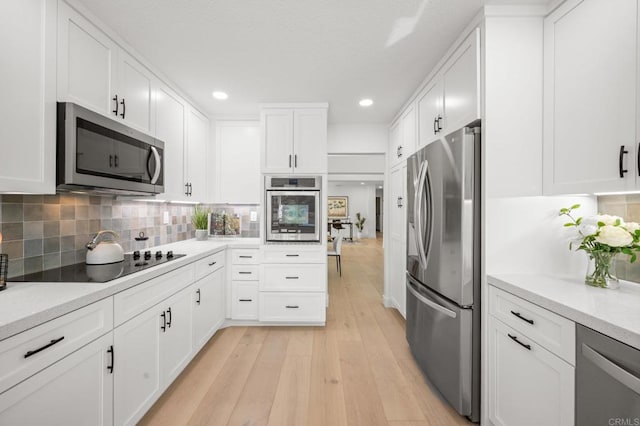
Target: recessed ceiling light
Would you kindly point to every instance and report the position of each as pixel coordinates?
(366, 102)
(361, 183)
(379, 187)
(221, 96)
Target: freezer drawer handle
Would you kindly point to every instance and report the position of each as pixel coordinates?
(515, 339)
(612, 369)
(439, 308)
(519, 315)
(48, 345)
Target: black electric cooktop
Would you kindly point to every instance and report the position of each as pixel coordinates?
(81, 272)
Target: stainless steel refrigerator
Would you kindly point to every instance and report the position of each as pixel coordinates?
(443, 266)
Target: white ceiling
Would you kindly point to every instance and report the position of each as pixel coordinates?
(335, 51)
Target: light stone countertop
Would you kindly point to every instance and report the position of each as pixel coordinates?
(615, 313)
(24, 305)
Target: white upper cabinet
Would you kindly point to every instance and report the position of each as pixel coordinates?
(451, 99)
(196, 156)
(277, 146)
(310, 140)
(169, 128)
(28, 117)
(403, 137)
(134, 89)
(590, 93)
(237, 162)
(86, 63)
(93, 71)
(429, 106)
(460, 83)
(294, 140)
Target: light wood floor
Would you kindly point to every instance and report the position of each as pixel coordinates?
(355, 371)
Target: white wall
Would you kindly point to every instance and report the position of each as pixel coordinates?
(362, 198)
(357, 138)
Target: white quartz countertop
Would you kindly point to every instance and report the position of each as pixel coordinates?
(615, 313)
(24, 305)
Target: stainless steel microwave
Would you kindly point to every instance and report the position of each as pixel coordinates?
(97, 154)
(293, 208)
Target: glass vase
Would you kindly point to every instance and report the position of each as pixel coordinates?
(601, 270)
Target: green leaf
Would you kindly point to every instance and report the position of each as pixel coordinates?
(633, 258)
(569, 224)
(578, 221)
(617, 222)
(575, 206)
(600, 224)
(564, 211)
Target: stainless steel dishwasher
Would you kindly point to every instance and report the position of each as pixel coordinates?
(607, 380)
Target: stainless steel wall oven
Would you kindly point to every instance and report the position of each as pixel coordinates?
(293, 208)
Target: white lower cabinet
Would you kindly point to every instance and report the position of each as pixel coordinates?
(529, 384)
(244, 300)
(77, 390)
(151, 350)
(208, 307)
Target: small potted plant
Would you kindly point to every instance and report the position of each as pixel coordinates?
(360, 220)
(200, 221)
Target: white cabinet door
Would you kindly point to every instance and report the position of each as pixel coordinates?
(408, 146)
(169, 128)
(87, 61)
(429, 114)
(77, 390)
(134, 91)
(397, 230)
(28, 123)
(176, 344)
(460, 81)
(277, 140)
(528, 385)
(395, 143)
(238, 162)
(197, 155)
(208, 307)
(310, 140)
(137, 359)
(590, 88)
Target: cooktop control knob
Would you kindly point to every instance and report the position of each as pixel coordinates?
(170, 254)
(158, 254)
(147, 255)
(136, 254)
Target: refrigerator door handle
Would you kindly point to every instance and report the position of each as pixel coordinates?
(434, 305)
(419, 234)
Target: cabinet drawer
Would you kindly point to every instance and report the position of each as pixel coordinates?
(276, 277)
(209, 264)
(245, 272)
(550, 330)
(135, 300)
(292, 307)
(27, 353)
(245, 257)
(295, 255)
(244, 300)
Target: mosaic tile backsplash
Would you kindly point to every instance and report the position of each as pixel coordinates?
(627, 207)
(47, 231)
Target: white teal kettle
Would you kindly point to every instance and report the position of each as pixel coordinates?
(102, 252)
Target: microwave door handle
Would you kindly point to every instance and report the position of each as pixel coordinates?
(156, 173)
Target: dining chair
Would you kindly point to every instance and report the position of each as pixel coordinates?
(337, 251)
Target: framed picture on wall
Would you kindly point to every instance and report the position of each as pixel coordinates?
(338, 207)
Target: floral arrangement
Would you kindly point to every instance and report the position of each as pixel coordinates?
(603, 237)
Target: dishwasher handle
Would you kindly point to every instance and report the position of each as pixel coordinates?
(623, 376)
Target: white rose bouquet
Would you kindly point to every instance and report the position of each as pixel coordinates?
(603, 237)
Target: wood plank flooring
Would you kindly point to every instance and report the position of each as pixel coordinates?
(355, 371)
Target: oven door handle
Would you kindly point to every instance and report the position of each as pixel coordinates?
(618, 373)
(156, 173)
